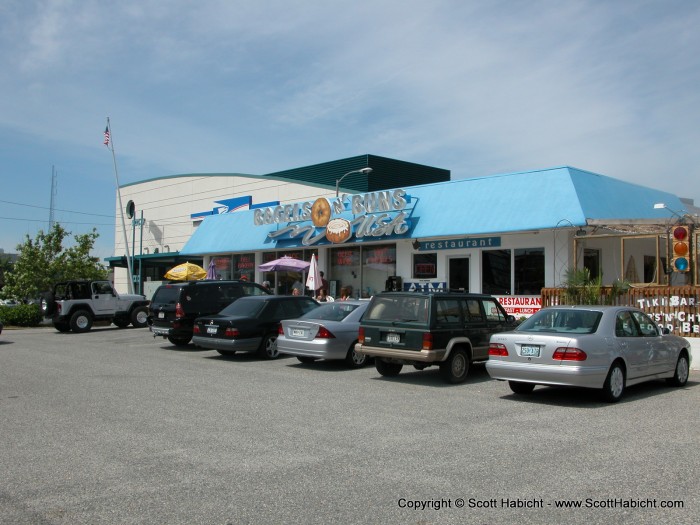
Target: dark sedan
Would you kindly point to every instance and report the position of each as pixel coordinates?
(250, 324)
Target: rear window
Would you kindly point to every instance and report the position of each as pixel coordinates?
(331, 311)
(403, 309)
(244, 308)
(166, 295)
(563, 321)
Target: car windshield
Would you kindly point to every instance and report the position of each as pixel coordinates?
(562, 320)
(394, 308)
(244, 308)
(331, 311)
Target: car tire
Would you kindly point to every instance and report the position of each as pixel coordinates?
(387, 369)
(268, 348)
(680, 376)
(182, 340)
(47, 304)
(355, 360)
(139, 317)
(81, 321)
(456, 368)
(306, 360)
(120, 323)
(614, 386)
(523, 389)
(62, 326)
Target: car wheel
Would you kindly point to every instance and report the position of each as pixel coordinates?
(121, 323)
(614, 385)
(306, 360)
(680, 377)
(139, 317)
(355, 360)
(81, 321)
(62, 326)
(387, 369)
(518, 387)
(268, 348)
(182, 340)
(456, 368)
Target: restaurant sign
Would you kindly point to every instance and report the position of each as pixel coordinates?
(377, 214)
(680, 314)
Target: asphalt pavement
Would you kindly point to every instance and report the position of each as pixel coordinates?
(115, 427)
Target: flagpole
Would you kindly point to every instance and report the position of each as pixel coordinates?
(109, 142)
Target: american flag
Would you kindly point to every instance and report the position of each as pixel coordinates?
(106, 142)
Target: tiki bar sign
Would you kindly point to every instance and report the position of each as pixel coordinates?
(377, 214)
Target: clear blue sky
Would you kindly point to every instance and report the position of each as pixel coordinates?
(476, 87)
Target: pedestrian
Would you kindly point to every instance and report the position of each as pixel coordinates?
(324, 283)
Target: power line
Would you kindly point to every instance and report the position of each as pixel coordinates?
(59, 222)
(45, 208)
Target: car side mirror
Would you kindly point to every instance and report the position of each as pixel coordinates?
(510, 319)
(665, 331)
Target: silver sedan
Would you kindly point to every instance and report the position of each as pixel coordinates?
(327, 332)
(602, 347)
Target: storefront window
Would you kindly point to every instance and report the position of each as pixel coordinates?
(495, 272)
(223, 267)
(379, 263)
(529, 271)
(345, 270)
(424, 265)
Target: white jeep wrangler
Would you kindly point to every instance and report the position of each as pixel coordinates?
(76, 305)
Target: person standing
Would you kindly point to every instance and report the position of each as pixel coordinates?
(324, 284)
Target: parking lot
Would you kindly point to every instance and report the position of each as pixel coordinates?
(115, 427)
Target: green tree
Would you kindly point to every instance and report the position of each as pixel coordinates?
(43, 261)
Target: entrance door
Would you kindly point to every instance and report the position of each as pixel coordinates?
(458, 274)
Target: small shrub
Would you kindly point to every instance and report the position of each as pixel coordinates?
(21, 315)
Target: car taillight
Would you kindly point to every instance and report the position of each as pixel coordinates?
(569, 354)
(232, 332)
(427, 341)
(58, 308)
(280, 330)
(323, 333)
(196, 329)
(497, 349)
(179, 312)
(361, 336)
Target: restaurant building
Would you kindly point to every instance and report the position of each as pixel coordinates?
(376, 223)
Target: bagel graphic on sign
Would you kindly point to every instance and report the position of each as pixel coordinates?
(321, 212)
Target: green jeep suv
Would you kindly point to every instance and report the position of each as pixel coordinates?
(447, 329)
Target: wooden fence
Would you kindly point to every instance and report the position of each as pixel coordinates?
(673, 307)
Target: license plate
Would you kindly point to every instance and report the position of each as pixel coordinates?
(393, 338)
(212, 329)
(297, 332)
(161, 315)
(530, 351)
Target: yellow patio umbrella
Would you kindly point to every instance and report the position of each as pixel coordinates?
(186, 272)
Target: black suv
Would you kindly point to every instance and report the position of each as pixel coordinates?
(448, 329)
(175, 306)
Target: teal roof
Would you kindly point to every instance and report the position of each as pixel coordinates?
(513, 202)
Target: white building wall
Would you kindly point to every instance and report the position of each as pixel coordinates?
(167, 204)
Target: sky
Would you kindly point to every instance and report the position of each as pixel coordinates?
(231, 86)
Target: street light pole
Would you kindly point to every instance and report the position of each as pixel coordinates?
(337, 182)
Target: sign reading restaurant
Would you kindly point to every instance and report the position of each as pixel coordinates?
(377, 214)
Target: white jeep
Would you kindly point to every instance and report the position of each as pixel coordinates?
(76, 305)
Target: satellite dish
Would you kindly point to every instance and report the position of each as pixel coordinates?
(130, 209)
